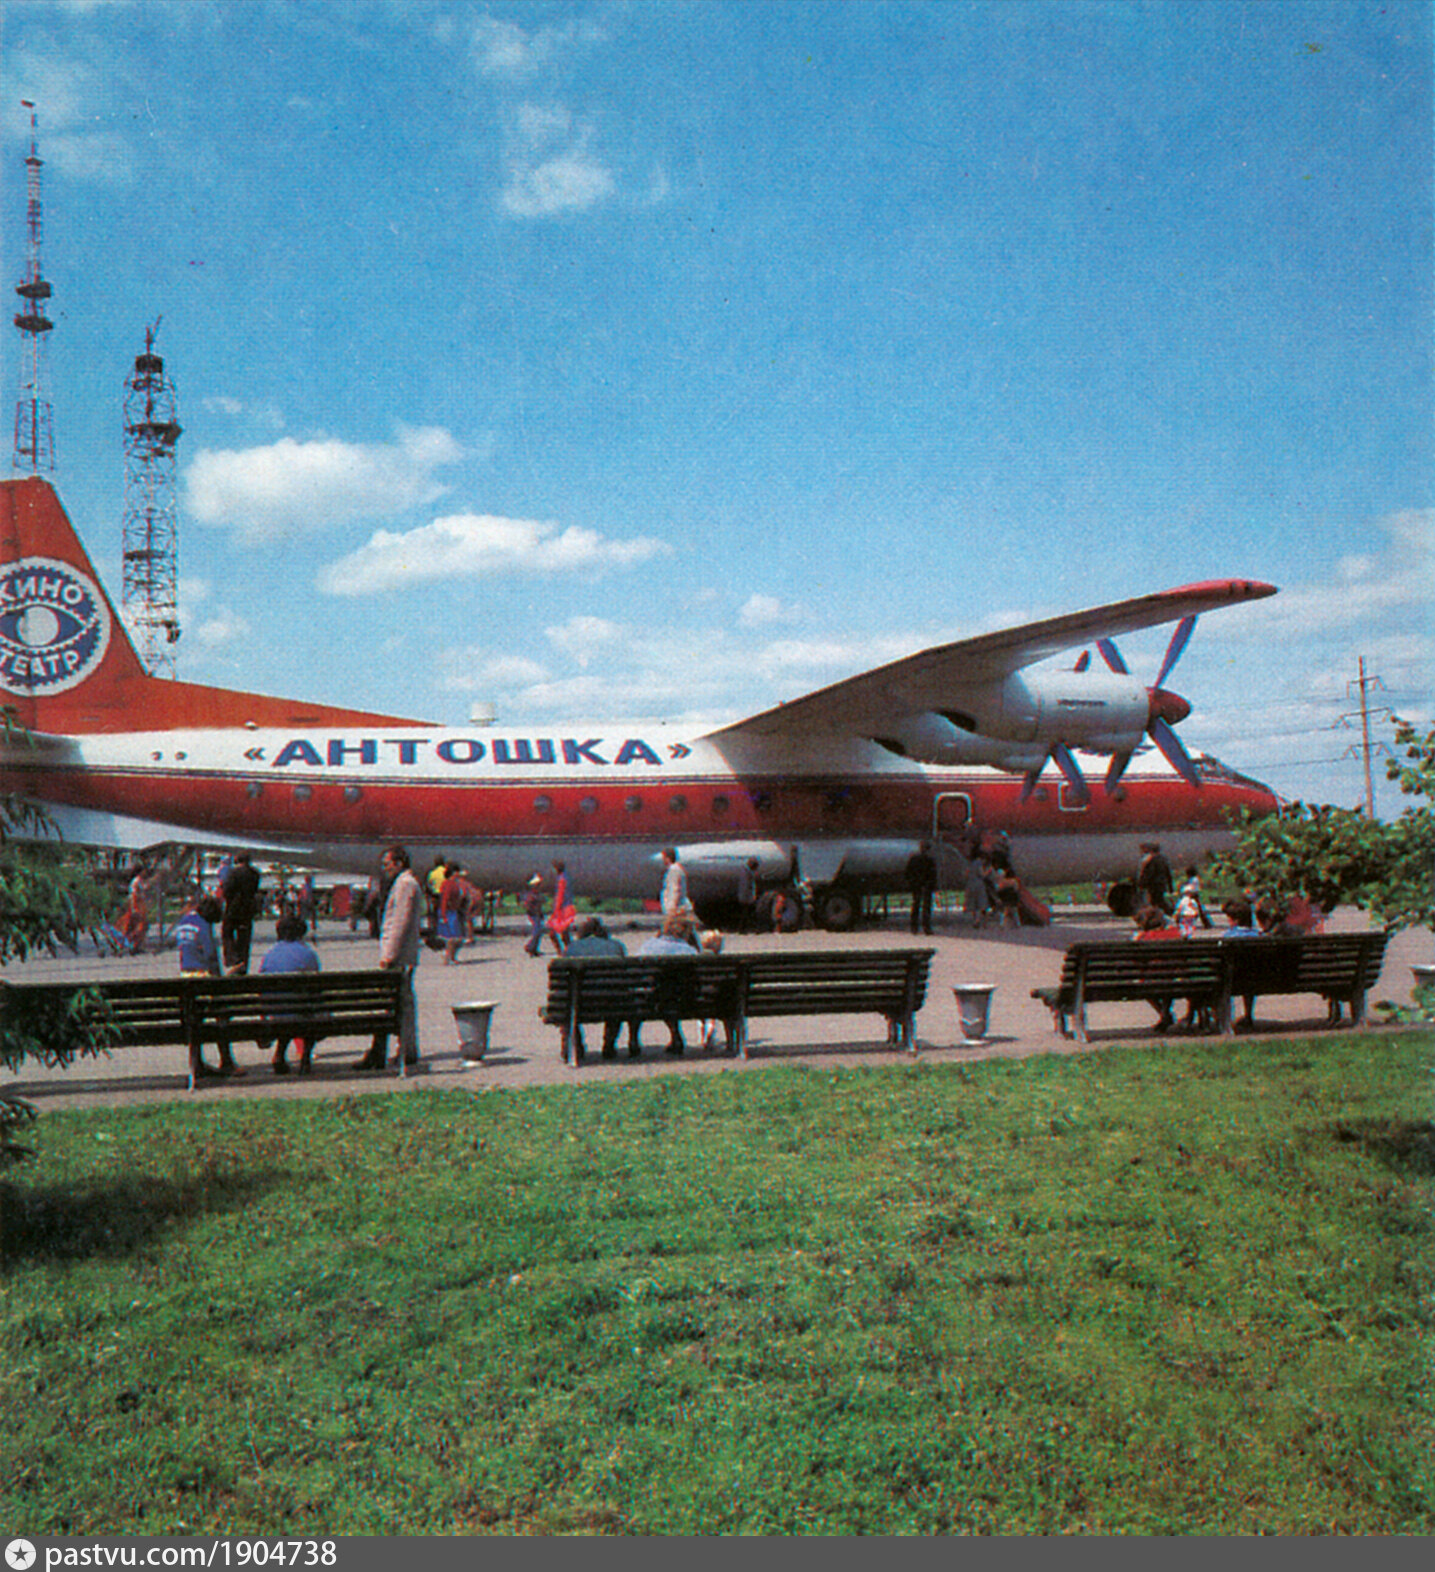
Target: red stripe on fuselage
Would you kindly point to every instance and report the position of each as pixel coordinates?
(677, 809)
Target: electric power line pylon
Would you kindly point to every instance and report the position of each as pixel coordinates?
(1362, 687)
(34, 419)
(151, 522)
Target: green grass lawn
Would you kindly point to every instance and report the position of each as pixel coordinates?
(1185, 1290)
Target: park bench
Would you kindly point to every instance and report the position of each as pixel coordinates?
(734, 989)
(156, 1011)
(1341, 967)
(1210, 972)
(890, 983)
(587, 990)
(1109, 971)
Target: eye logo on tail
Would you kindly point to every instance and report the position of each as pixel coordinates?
(54, 627)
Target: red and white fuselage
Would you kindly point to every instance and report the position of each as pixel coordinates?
(604, 799)
(836, 788)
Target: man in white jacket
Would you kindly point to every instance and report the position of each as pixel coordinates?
(399, 951)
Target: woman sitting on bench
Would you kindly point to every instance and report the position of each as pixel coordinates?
(290, 954)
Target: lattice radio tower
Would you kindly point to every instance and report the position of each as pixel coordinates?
(34, 419)
(151, 523)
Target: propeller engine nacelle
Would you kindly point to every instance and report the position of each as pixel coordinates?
(1025, 718)
(1100, 710)
(930, 738)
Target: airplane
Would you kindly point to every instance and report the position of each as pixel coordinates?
(834, 790)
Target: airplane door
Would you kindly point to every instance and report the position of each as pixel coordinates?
(951, 819)
(951, 815)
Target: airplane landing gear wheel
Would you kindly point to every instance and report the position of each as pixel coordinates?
(791, 911)
(836, 908)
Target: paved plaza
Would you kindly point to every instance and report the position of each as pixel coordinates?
(524, 1052)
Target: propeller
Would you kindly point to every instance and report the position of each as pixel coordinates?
(1167, 709)
(1061, 756)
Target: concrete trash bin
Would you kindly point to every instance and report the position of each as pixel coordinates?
(974, 1007)
(473, 1021)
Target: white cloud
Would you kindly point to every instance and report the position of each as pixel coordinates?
(571, 181)
(468, 545)
(1276, 681)
(759, 610)
(506, 51)
(265, 414)
(472, 670)
(550, 165)
(219, 631)
(273, 492)
(1391, 580)
(584, 638)
(825, 659)
(690, 673)
(70, 97)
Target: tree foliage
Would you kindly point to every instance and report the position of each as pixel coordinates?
(47, 898)
(1339, 855)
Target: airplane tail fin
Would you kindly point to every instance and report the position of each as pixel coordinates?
(67, 665)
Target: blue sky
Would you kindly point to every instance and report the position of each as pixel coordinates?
(670, 359)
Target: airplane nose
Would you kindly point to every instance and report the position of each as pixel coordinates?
(1167, 706)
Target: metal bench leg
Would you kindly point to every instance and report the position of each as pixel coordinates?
(1224, 1024)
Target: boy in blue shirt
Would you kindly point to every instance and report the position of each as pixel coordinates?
(199, 957)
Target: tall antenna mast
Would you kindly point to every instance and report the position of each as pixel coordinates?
(151, 523)
(34, 420)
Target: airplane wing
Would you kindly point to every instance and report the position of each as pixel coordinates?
(926, 680)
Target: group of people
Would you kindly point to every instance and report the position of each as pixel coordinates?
(234, 907)
(991, 891)
(678, 936)
(559, 926)
(1158, 917)
(454, 904)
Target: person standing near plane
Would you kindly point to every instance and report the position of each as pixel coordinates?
(922, 883)
(1153, 878)
(241, 903)
(674, 897)
(399, 951)
(133, 921)
(433, 892)
(451, 913)
(564, 911)
(747, 896)
(533, 911)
